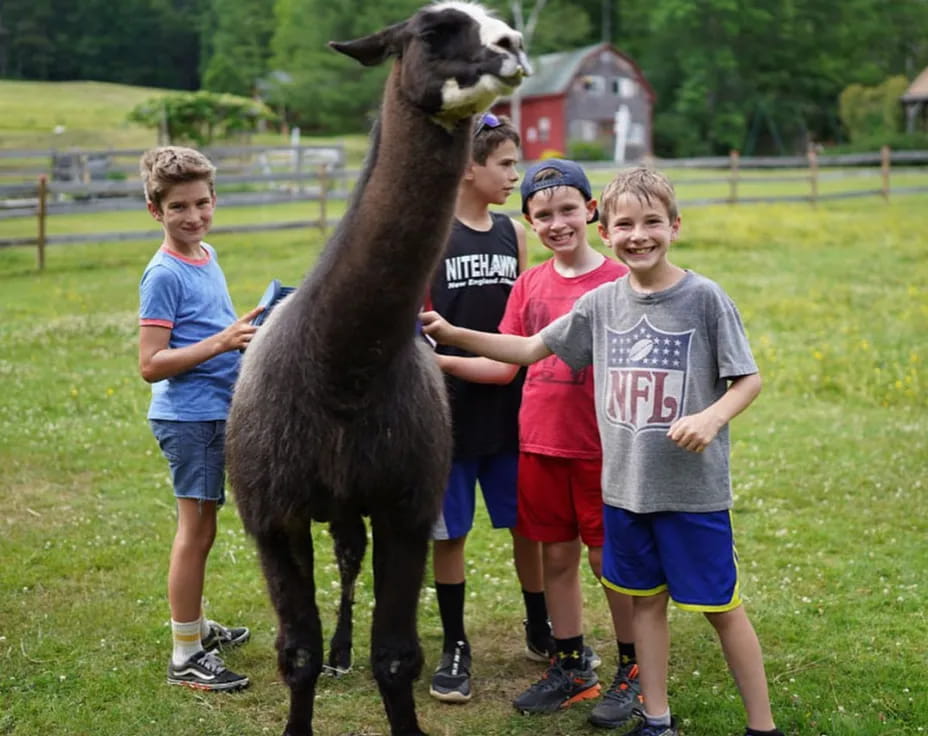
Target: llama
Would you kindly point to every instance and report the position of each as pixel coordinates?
(340, 411)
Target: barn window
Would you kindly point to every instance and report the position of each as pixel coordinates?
(593, 83)
(636, 134)
(584, 130)
(624, 87)
(544, 129)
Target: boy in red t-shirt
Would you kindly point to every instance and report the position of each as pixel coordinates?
(560, 460)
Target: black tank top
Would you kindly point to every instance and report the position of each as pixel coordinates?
(470, 289)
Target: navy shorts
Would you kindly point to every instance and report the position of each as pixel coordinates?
(690, 555)
(497, 475)
(195, 452)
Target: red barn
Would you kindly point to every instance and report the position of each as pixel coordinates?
(595, 96)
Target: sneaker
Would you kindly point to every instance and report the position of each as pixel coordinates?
(558, 688)
(649, 729)
(220, 637)
(451, 681)
(622, 701)
(205, 671)
(539, 647)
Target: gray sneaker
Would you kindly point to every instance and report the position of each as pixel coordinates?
(558, 688)
(622, 703)
(451, 681)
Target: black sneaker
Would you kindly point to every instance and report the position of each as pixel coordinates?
(649, 729)
(558, 688)
(622, 702)
(205, 671)
(539, 646)
(220, 637)
(451, 681)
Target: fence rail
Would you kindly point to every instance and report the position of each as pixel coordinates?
(286, 174)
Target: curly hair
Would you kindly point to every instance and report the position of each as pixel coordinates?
(163, 167)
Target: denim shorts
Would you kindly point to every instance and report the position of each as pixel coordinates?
(196, 455)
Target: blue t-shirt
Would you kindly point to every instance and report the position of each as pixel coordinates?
(191, 298)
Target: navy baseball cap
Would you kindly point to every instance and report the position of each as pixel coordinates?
(569, 174)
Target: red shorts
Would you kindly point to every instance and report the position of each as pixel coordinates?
(560, 498)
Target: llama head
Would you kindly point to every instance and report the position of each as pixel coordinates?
(454, 58)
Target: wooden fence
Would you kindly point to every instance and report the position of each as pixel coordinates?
(42, 185)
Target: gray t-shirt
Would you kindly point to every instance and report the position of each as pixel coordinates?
(657, 357)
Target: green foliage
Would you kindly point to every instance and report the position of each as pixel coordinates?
(201, 117)
(237, 39)
(872, 112)
(587, 151)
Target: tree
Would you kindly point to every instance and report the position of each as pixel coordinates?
(201, 117)
(237, 41)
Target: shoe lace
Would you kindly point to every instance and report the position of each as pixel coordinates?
(218, 630)
(620, 689)
(554, 678)
(457, 658)
(211, 661)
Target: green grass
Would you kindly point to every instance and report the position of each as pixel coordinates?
(829, 473)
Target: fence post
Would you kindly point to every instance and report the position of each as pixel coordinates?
(323, 194)
(813, 173)
(734, 159)
(299, 169)
(884, 168)
(41, 211)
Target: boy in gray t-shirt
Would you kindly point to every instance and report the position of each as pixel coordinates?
(672, 367)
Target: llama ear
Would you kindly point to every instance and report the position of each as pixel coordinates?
(375, 48)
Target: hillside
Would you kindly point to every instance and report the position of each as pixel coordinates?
(92, 114)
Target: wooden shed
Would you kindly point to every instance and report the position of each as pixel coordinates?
(915, 101)
(595, 94)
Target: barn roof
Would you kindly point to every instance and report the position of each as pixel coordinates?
(553, 72)
(917, 91)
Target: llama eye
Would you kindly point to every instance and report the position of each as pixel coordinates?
(505, 43)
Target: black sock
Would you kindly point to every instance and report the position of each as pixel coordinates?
(451, 609)
(755, 732)
(570, 652)
(536, 611)
(627, 654)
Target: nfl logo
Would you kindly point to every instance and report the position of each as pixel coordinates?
(646, 376)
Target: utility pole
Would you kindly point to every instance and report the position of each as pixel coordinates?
(527, 29)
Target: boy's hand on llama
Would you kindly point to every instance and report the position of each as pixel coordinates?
(237, 335)
(696, 431)
(436, 327)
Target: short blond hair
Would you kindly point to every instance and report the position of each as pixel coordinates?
(643, 183)
(163, 167)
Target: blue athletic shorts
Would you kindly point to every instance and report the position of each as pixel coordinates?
(497, 475)
(195, 454)
(691, 555)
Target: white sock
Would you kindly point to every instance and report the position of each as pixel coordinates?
(659, 720)
(204, 626)
(186, 637)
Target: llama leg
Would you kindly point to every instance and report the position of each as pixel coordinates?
(396, 657)
(287, 562)
(350, 541)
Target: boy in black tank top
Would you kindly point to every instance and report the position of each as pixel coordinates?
(486, 251)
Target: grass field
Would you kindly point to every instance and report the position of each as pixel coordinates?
(829, 473)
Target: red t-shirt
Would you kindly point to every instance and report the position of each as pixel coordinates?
(558, 415)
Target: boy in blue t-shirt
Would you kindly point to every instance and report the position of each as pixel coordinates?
(189, 342)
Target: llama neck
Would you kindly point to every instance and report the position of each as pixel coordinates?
(377, 266)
